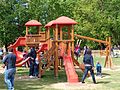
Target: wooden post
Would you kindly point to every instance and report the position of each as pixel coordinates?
(26, 38)
(56, 53)
(61, 36)
(110, 58)
(69, 51)
(106, 39)
(107, 54)
(26, 30)
(69, 32)
(40, 65)
(39, 30)
(48, 37)
(46, 32)
(72, 38)
(54, 34)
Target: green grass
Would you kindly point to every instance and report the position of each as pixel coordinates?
(96, 59)
(110, 80)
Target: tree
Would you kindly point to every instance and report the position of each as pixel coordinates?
(9, 27)
(96, 18)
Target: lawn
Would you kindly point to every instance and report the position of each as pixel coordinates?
(110, 80)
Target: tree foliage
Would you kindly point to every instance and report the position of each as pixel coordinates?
(96, 18)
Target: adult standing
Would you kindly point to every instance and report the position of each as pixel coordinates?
(89, 65)
(32, 54)
(10, 60)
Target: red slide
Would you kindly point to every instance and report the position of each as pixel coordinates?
(22, 62)
(19, 56)
(72, 77)
(21, 41)
(42, 48)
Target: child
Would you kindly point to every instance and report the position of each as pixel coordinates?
(77, 51)
(98, 68)
(25, 55)
(43, 60)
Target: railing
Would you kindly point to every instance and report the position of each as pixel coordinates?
(48, 56)
(49, 53)
(36, 38)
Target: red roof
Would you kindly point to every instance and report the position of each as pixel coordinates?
(61, 21)
(49, 24)
(33, 23)
(64, 21)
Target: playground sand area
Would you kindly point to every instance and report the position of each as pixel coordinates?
(86, 86)
(73, 86)
(65, 85)
(61, 85)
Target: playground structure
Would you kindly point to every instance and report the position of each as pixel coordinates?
(60, 45)
(107, 42)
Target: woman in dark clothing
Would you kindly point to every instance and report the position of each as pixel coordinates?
(89, 65)
(32, 54)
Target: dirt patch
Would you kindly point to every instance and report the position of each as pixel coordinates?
(22, 77)
(25, 78)
(74, 86)
(115, 68)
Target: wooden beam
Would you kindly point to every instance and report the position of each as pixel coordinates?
(63, 41)
(93, 39)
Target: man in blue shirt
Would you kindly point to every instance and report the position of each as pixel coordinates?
(10, 60)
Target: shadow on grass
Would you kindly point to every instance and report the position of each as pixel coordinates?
(106, 74)
(103, 82)
(36, 84)
(47, 79)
